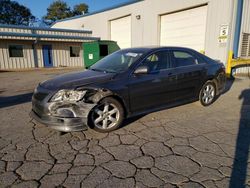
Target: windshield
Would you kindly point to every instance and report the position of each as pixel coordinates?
(117, 62)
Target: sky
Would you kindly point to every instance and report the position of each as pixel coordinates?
(39, 7)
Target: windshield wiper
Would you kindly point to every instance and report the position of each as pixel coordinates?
(109, 71)
(105, 71)
(98, 70)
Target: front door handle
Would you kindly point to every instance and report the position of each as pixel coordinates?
(172, 76)
(157, 80)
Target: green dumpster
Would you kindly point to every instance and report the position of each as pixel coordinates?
(94, 51)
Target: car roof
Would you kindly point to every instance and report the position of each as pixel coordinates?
(147, 49)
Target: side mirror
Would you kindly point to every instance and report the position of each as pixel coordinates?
(142, 70)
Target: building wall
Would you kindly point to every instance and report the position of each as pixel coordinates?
(245, 28)
(60, 55)
(146, 31)
(7, 62)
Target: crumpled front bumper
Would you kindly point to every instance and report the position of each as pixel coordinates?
(61, 124)
(62, 116)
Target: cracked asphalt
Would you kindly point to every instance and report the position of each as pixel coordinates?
(186, 146)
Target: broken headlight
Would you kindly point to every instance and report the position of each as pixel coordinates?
(68, 96)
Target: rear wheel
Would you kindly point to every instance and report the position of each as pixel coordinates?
(207, 93)
(107, 116)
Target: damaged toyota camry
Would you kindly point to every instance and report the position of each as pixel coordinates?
(127, 83)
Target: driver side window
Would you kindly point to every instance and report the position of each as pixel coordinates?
(158, 61)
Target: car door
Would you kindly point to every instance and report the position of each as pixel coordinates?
(153, 90)
(190, 73)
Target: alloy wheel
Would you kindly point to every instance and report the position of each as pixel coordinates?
(105, 116)
(208, 94)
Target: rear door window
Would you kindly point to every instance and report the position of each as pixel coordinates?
(184, 58)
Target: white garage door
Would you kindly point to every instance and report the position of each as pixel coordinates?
(121, 31)
(186, 28)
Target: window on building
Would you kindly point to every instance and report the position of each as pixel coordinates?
(104, 50)
(16, 51)
(74, 51)
(183, 58)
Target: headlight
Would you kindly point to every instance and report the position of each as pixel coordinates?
(68, 96)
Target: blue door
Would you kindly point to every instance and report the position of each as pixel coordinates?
(47, 56)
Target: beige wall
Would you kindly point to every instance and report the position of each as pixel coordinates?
(245, 28)
(7, 62)
(245, 22)
(60, 55)
(146, 30)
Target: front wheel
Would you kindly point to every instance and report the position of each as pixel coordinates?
(207, 93)
(107, 116)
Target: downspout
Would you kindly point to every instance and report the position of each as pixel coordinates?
(237, 28)
(33, 31)
(35, 53)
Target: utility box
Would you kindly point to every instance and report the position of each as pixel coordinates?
(94, 51)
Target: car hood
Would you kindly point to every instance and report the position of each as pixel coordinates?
(77, 79)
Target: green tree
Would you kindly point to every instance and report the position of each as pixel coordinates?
(80, 9)
(12, 12)
(57, 10)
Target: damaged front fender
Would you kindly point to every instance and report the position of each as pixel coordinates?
(79, 109)
(98, 95)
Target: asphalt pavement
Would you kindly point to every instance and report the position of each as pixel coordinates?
(185, 146)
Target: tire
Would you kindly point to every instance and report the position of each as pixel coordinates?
(207, 93)
(107, 116)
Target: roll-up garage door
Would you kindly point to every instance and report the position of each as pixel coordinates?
(120, 30)
(185, 28)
